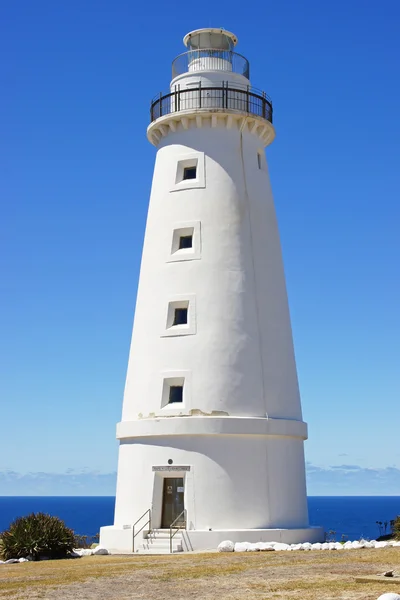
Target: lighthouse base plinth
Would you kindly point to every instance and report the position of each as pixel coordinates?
(118, 540)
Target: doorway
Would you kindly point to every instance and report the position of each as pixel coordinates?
(173, 502)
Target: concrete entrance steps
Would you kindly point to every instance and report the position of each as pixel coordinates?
(157, 541)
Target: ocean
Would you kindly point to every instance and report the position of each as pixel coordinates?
(354, 517)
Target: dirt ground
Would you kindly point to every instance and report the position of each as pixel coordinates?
(322, 575)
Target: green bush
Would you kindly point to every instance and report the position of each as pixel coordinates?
(37, 536)
(396, 527)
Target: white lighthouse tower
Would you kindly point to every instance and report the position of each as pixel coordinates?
(211, 436)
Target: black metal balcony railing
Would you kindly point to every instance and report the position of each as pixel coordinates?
(210, 60)
(247, 100)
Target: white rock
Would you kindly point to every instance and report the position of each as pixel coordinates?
(325, 546)
(338, 546)
(83, 551)
(23, 560)
(297, 547)
(381, 544)
(266, 546)
(100, 550)
(226, 546)
(356, 545)
(331, 545)
(317, 546)
(241, 546)
(280, 546)
(306, 546)
(389, 596)
(11, 561)
(253, 548)
(259, 545)
(396, 544)
(74, 554)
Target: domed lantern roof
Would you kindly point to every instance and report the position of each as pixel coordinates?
(217, 39)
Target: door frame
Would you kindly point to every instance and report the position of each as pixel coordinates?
(157, 498)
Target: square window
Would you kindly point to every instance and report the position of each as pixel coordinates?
(186, 173)
(185, 241)
(175, 390)
(175, 394)
(180, 316)
(189, 173)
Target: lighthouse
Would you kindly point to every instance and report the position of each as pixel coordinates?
(211, 436)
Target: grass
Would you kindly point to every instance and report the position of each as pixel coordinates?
(312, 575)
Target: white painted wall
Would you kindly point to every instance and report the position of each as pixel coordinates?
(241, 358)
(234, 482)
(211, 78)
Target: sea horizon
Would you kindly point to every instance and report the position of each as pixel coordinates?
(342, 517)
(113, 496)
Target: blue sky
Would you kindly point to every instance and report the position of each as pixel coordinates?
(76, 172)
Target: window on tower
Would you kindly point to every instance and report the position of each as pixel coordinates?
(175, 394)
(175, 390)
(180, 316)
(189, 173)
(185, 241)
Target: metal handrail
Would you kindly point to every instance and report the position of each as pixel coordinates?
(172, 526)
(148, 511)
(224, 84)
(225, 97)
